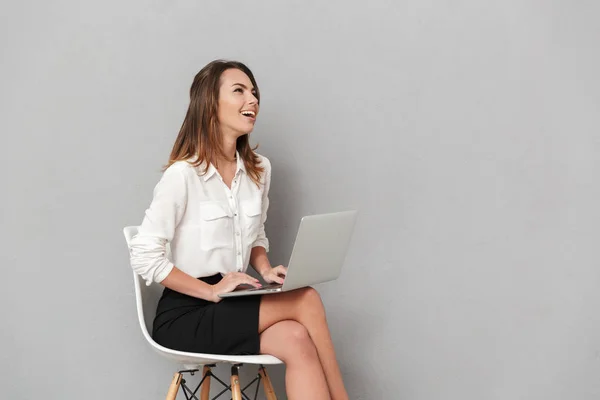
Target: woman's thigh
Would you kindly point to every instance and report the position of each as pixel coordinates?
(296, 305)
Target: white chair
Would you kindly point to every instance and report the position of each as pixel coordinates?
(146, 298)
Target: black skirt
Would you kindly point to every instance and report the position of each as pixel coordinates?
(195, 325)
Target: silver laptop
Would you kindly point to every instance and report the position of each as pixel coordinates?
(318, 254)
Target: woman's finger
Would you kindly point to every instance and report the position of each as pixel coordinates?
(247, 279)
(274, 277)
(255, 282)
(250, 278)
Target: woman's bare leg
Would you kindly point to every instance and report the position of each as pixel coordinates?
(290, 342)
(305, 306)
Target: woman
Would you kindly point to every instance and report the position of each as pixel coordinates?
(210, 206)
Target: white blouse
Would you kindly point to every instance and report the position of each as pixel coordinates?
(210, 228)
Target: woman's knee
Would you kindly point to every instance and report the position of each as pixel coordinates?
(310, 301)
(290, 341)
(301, 305)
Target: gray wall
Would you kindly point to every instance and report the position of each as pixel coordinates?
(466, 132)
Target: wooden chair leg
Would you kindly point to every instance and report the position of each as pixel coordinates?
(267, 386)
(236, 390)
(174, 388)
(205, 391)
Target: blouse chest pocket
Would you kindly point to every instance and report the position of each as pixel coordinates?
(216, 226)
(252, 211)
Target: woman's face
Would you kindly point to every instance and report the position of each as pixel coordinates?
(237, 108)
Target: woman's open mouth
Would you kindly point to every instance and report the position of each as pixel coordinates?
(251, 115)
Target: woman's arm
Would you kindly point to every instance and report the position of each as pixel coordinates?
(147, 249)
(258, 255)
(260, 263)
(259, 260)
(181, 282)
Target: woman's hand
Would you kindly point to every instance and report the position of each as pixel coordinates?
(230, 282)
(275, 275)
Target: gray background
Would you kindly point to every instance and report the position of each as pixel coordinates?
(466, 133)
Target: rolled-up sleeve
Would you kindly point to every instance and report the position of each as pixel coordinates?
(148, 248)
(261, 239)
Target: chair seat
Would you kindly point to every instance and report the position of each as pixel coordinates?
(190, 360)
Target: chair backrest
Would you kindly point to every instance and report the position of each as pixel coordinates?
(146, 297)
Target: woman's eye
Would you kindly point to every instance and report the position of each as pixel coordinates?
(238, 90)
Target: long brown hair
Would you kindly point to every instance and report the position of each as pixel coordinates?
(199, 137)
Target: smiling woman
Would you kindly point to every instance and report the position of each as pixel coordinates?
(211, 206)
(219, 95)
